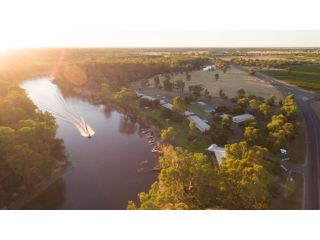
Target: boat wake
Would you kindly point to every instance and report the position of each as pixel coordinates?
(48, 97)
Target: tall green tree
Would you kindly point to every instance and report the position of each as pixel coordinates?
(168, 135)
(179, 105)
(186, 181)
(243, 181)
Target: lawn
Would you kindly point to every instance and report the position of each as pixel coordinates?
(182, 130)
(304, 76)
(194, 107)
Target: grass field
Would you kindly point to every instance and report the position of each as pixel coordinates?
(197, 110)
(304, 76)
(230, 82)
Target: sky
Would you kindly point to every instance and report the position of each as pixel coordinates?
(158, 23)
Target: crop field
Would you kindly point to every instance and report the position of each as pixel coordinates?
(304, 76)
(230, 82)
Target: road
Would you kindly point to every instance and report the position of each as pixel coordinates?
(311, 198)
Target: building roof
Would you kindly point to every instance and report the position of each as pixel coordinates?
(219, 152)
(188, 113)
(207, 108)
(139, 94)
(168, 106)
(148, 97)
(162, 102)
(202, 103)
(200, 124)
(242, 118)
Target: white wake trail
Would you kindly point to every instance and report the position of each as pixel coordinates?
(48, 97)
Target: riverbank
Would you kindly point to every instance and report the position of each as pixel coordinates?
(40, 187)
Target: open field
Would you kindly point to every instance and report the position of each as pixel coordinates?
(230, 82)
(276, 57)
(304, 76)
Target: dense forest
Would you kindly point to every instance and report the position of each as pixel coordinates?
(119, 71)
(29, 149)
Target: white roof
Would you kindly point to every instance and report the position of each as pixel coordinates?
(200, 124)
(168, 106)
(162, 102)
(219, 152)
(148, 97)
(242, 118)
(202, 103)
(206, 68)
(188, 113)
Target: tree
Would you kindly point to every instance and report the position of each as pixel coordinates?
(206, 93)
(253, 106)
(216, 76)
(252, 135)
(219, 136)
(241, 92)
(243, 102)
(196, 90)
(167, 135)
(106, 92)
(125, 96)
(289, 107)
(188, 76)
(244, 182)
(186, 181)
(222, 94)
(167, 84)
(225, 68)
(271, 100)
(278, 131)
(180, 84)
(264, 109)
(179, 105)
(156, 80)
(192, 129)
(7, 139)
(252, 72)
(226, 121)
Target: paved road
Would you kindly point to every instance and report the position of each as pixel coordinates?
(311, 198)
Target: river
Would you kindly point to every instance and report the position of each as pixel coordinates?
(106, 170)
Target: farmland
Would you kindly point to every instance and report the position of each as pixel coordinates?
(304, 76)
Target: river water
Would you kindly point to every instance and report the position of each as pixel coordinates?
(106, 170)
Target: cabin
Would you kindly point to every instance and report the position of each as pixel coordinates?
(148, 97)
(208, 109)
(188, 113)
(218, 152)
(201, 125)
(167, 106)
(240, 119)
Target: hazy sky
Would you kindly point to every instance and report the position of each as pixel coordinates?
(157, 23)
